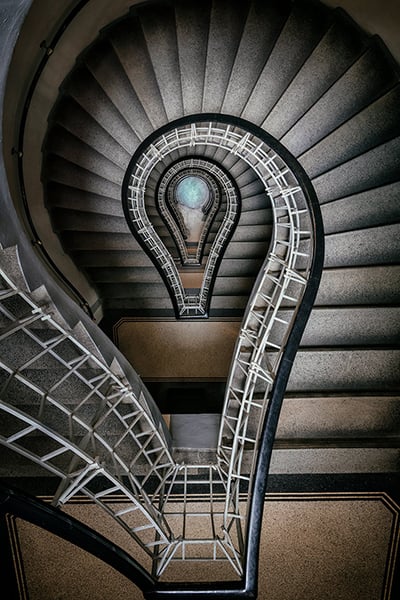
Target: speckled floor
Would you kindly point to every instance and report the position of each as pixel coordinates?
(315, 546)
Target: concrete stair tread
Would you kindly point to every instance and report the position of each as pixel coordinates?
(344, 99)
(380, 120)
(71, 198)
(80, 123)
(362, 286)
(94, 240)
(370, 208)
(376, 245)
(264, 22)
(89, 94)
(160, 37)
(298, 38)
(113, 258)
(353, 326)
(65, 172)
(125, 275)
(69, 219)
(67, 146)
(129, 44)
(334, 54)
(110, 74)
(222, 47)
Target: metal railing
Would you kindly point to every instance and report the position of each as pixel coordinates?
(64, 409)
(270, 314)
(158, 151)
(103, 439)
(167, 203)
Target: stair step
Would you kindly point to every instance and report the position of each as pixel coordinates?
(232, 163)
(90, 222)
(370, 208)
(251, 189)
(337, 370)
(228, 302)
(140, 303)
(66, 197)
(79, 122)
(350, 369)
(86, 91)
(105, 66)
(335, 460)
(143, 275)
(335, 53)
(239, 267)
(376, 245)
(247, 249)
(358, 326)
(159, 31)
(10, 263)
(247, 177)
(225, 31)
(302, 31)
(133, 290)
(256, 217)
(348, 96)
(91, 241)
(227, 286)
(192, 32)
(264, 24)
(129, 44)
(362, 286)
(114, 258)
(61, 171)
(252, 233)
(257, 202)
(66, 146)
(339, 416)
(374, 125)
(377, 167)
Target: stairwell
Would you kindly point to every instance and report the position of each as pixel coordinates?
(333, 105)
(329, 93)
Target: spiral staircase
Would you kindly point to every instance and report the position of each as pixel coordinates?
(166, 86)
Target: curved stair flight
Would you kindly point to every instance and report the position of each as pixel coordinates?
(272, 106)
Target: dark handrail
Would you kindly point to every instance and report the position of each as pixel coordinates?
(72, 530)
(51, 519)
(55, 521)
(249, 585)
(279, 387)
(36, 241)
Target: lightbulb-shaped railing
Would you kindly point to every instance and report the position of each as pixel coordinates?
(270, 318)
(167, 204)
(120, 448)
(146, 159)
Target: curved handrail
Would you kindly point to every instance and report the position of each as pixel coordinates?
(293, 201)
(18, 152)
(182, 134)
(166, 187)
(24, 506)
(72, 424)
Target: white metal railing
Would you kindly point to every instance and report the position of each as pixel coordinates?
(102, 439)
(159, 150)
(270, 313)
(64, 409)
(167, 203)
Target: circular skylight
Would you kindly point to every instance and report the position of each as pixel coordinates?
(192, 191)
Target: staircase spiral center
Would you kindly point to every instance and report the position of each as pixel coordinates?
(192, 192)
